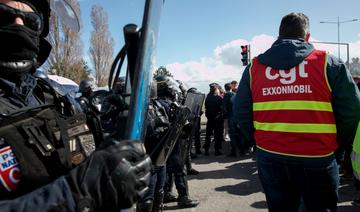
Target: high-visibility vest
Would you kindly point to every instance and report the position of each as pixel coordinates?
(355, 155)
(292, 109)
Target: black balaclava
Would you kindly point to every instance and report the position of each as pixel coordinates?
(21, 47)
(22, 50)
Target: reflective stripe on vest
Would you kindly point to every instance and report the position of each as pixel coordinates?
(293, 105)
(292, 108)
(355, 160)
(295, 128)
(355, 155)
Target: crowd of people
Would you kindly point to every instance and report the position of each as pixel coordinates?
(220, 121)
(302, 119)
(299, 105)
(167, 140)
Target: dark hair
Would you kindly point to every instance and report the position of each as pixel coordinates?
(234, 82)
(227, 86)
(294, 25)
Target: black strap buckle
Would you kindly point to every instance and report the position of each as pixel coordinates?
(36, 137)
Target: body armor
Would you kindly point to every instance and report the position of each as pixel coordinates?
(47, 140)
(157, 125)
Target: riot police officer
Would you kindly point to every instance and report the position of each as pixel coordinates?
(38, 137)
(157, 127)
(91, 111)
(86, 90)
(113, 110)
(197, 127)
(171, 97)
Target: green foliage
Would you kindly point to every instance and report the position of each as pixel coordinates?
(86, 72)
(162, 71)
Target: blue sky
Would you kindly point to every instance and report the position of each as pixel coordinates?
(200, 39)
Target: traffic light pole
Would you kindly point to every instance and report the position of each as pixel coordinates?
(343, 44)
(338, 22)
(245, 53)
(249, 54)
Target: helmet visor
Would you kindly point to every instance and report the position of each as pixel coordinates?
(66, 14)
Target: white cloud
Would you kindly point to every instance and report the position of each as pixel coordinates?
(225, 64)
(355, 49)
(201, 73)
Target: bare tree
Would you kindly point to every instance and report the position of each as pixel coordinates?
(101, 49)
(66, 56)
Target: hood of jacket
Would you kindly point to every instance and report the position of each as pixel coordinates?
(19, 89)
(286, 53)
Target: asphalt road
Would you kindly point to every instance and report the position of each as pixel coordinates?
(232, 184)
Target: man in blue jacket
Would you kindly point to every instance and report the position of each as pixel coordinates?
(297, 113)
(228, 119)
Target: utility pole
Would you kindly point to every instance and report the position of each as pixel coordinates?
(338, 44)
(338, 22)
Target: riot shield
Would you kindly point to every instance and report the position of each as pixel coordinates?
(164, 148)
(194, 102)
(64, 11)
(144, 67)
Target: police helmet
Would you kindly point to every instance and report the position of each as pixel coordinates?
(120, 85)
(168, 87)
(85, 86)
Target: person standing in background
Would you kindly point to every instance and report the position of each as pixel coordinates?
(226, 106)
(234, 86)
(213, 113)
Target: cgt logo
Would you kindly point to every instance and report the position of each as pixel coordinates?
(287, 77)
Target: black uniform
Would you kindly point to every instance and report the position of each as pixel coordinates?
(43, 131)
(41, 143)
(157, 126)
(171, 98)
(214, 125)
(113, 116)
(43, 136)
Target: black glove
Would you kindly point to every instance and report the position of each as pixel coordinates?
(112, 178)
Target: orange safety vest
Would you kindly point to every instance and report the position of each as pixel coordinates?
(292, 109)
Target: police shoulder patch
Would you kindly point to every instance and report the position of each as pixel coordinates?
(9, 169)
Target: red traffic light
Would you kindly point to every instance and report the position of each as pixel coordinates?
(245, 54)
(244, 48)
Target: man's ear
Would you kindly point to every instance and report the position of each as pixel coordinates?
(307, 36)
